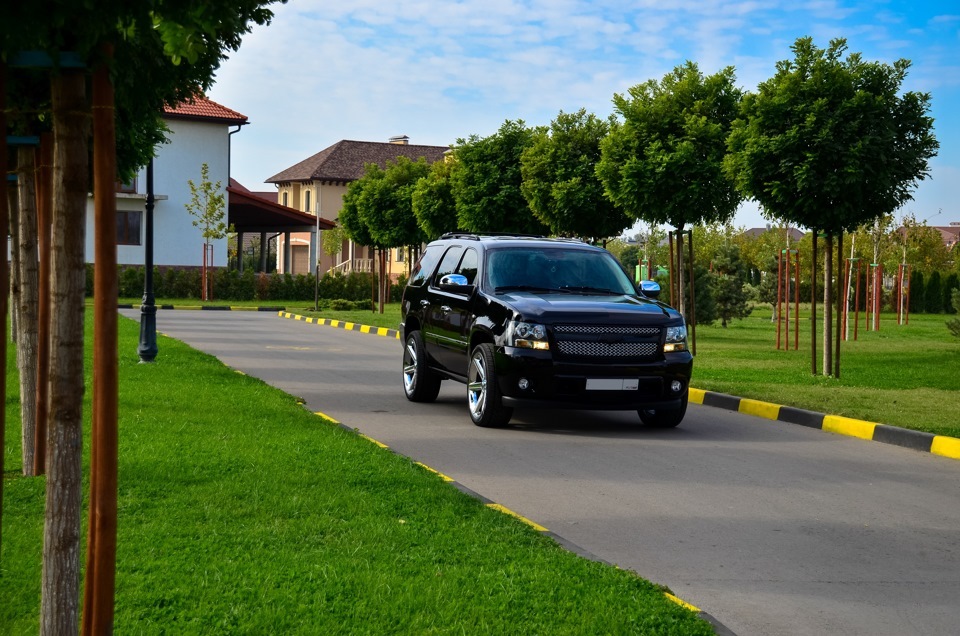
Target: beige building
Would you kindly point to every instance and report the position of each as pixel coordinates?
(316, 186)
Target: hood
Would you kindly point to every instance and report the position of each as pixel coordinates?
(553, 308)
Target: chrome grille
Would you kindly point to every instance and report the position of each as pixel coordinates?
(624, 343)
(607, 329)
(603, 349)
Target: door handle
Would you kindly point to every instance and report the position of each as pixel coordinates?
(445, 309)
(424, 303)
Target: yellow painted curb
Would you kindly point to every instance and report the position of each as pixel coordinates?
(848, 426)
(946, 446)
(505, 510)
(435, 472)
(681, 602)
(326, 417)
(695, 395)
(760, 409)
(370, 439)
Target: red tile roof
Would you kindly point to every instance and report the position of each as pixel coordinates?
(204, 109)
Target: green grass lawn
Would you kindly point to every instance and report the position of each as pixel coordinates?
(240, 512)
(902, 375)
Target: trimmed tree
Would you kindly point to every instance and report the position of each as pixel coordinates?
(830, 143)
(208, 206)
(433, 204)
(664, 163)
(486, 182)
(560, 180)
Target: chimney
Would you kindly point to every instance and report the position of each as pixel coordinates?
(400, 140)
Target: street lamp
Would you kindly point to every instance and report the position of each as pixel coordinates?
(147, 349)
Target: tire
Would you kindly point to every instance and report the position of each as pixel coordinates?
(420, 384)
(664, 418)
(484, 400)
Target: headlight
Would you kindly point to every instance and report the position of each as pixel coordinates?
(526, 335)
(676, 339)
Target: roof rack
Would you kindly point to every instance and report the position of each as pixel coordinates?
(478, 235)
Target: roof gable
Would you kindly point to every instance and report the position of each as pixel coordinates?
(203, 109)
(346, 160)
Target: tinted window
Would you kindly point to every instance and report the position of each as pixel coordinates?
(425, 265)
(555, 268)
(468, 266)
(448, 264)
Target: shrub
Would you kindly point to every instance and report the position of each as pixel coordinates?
(954, 325)
(933, 295)
(950, 286)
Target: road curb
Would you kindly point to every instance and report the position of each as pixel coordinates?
(205, 307)
(872, 431)
(343, 324)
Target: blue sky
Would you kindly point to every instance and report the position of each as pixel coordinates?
(437, 70)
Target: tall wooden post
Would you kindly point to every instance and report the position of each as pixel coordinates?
(693, 304)
(4, 280)
(44, 190)
(813, 306)
(102, 532)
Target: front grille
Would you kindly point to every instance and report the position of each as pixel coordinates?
(624, 343)
(604, 349)
(608, 329)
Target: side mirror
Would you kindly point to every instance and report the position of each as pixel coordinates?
(650, 289)
(456, 283)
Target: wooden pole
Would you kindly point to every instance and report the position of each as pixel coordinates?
(44, 228)
(837, 338)
(779, 292)
(102, 532)
(693, 303)
(796, 302)
(4, 279)
(813, 306)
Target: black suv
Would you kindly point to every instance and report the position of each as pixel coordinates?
(532, 321)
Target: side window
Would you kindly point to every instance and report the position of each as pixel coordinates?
(425, 265)
(448, 264)
(468, 266)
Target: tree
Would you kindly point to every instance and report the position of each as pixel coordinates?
(208, 206)
(728, 292)
(560, 181)
(486, 182)
(433, 203)
(164, 52)
(664, 163)
(933, 294)
(954, 325)
(830, 144)
(950, 285)
(378, 208)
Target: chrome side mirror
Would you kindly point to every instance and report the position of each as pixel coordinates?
(650, 289)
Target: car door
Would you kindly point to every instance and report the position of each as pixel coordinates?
(435, 307)
(451, 319)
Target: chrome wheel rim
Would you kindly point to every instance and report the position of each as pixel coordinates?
(477, 386)
(410, 367)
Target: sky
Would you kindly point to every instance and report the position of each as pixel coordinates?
(437, 71)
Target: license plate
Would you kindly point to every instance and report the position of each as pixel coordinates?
(612, 384)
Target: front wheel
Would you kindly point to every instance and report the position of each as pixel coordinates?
(419, 383)
(664, 418)
(483, 392)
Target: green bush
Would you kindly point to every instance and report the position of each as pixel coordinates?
(950, 285)
(933, 295)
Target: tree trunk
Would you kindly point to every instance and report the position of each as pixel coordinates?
(13, 227)
(828, 306)
(26, 308)
(59, 608)
(681, 295)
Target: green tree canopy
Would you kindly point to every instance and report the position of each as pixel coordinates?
(560, 179)
(664, 163)
(830, 143)
(486, 182)
(433, 202)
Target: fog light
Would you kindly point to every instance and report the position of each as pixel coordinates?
(676, 386)
(524, 384)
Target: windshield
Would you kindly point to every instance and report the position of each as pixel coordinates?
(555, 269)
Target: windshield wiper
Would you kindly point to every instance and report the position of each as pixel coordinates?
(591, 290)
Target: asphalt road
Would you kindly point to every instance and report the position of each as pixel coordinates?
(772, 528)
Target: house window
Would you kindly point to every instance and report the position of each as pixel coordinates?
(306, 201)
(285, 203)
(399, 254)
(130, 187)
(128, 227)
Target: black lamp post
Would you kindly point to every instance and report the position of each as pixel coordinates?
(147, 349)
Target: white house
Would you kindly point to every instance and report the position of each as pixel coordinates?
(200, 133)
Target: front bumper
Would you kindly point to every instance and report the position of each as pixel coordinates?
(553, 384)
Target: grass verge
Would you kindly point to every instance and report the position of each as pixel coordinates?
(240, 512)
